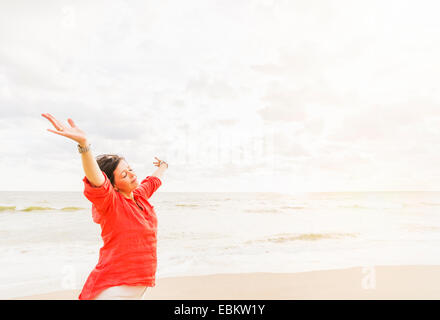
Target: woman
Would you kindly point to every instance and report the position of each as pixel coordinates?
(127, 261)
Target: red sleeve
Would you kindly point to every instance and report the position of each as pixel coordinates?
(148, 186)
(102, 197)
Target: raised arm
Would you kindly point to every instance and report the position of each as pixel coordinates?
(151, 183)
(162, 166)
(90, 166)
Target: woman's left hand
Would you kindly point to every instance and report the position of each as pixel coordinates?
(159, 162)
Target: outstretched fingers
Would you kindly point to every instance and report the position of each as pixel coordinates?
(72, 124)
(54, 121)
(57, 132)
(159, 162)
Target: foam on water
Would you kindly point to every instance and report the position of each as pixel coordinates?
(204, 233)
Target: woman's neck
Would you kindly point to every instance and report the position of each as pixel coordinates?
(128, 196)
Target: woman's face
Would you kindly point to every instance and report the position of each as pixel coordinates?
(125, 178)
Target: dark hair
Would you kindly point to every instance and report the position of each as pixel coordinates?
(108, 164)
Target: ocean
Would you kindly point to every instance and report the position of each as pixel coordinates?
(50, 243)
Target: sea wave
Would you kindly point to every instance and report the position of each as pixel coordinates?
(430, 204)
(7, 208)
(355, 206)
(38, 208)
(293, 207)
(192, 235)
(379, 206)
(71, 209)
(186, 205)
(421, 228)
(261, 210)
(305, 237)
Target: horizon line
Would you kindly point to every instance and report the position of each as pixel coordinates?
(278, 192)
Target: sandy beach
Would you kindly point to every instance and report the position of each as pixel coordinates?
(378, 282)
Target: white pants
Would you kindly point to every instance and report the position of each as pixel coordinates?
(122, 293)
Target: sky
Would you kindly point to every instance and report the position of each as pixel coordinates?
(237, 96)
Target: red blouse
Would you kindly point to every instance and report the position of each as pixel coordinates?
(128, 256)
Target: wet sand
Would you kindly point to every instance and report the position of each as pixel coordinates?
(378, 282)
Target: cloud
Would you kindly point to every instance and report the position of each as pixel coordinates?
(207, 87)
(282, 106)
(385, 123)
(335, 95)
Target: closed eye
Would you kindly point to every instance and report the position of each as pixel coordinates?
(125, 176)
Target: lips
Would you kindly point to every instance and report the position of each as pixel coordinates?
(134, 180)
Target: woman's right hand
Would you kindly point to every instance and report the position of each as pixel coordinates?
(72, 132)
